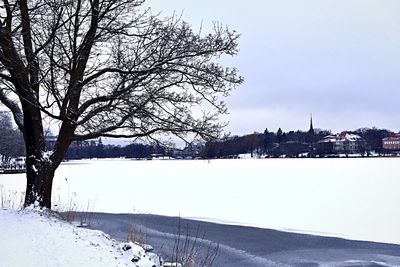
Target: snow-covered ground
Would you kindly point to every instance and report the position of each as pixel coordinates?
(37, 238)
(352, 198)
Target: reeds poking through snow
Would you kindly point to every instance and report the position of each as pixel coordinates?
(191, 249)
(135, 235)
(10, 199)
(70, 211)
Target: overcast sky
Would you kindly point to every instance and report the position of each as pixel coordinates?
(336, 59)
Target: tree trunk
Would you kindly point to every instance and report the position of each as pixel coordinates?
(40, 176)
(39, 169)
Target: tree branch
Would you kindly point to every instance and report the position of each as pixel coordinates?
(33, 64)
(6, 77)
(14, 108)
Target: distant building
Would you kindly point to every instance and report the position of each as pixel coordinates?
(310, 136)
(391, 142)
(191, 151)
(345, 142)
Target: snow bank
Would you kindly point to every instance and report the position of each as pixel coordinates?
(36, 238)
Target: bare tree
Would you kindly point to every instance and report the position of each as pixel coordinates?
(106, 68)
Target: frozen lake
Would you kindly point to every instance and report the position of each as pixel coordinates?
(351, 198)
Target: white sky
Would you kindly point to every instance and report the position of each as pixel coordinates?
(336, 59)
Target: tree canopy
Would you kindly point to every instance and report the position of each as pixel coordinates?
(107, 68)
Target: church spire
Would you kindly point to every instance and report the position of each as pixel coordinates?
(310, 136)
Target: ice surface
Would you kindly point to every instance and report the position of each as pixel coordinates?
(353, 198)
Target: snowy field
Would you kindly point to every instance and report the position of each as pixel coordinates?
(351, 198)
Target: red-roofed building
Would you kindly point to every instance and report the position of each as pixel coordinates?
(345, 142)
(392, 142)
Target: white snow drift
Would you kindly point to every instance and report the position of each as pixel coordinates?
(38, 238)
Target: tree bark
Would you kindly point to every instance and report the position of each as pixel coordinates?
(39, 169)
(39, 184)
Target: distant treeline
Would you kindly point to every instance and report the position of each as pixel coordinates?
(273, 144)
(11, 139)
(290, 143)
(89, 150)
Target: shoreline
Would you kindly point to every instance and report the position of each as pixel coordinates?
(250, 246)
